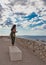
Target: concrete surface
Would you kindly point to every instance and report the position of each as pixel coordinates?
(15, 53)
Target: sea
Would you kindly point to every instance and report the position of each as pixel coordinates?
(41, 38)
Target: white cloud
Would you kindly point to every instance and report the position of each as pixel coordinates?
(4, 1)
(0, 26)
(43, 26)
(43, 13)
(28, 8)
(25, 24)
(39, 4)
(18, 8)
(39, 27)
(44, 17)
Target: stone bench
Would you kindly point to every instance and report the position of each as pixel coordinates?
(15, 53)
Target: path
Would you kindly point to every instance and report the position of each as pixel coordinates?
(28, 57)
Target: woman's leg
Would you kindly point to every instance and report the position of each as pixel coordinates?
(13, 41)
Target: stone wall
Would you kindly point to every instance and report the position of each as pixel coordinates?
(38, 47)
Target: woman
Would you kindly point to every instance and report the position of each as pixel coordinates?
(13, 31)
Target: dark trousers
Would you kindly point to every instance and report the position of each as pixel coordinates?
(13, 41)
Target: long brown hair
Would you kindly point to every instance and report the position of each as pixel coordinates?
(13, 27)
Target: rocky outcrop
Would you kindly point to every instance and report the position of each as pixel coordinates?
(38, 47)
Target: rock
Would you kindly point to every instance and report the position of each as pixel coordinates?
(42, 57)
(31, 47)
(45, 47)
(41, 53)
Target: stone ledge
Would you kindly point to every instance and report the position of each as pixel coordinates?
(15, 53)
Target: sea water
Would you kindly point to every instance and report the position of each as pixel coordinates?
(42, 38)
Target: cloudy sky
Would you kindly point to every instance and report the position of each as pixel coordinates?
(28, 15)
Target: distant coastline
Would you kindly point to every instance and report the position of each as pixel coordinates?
(38, 38)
